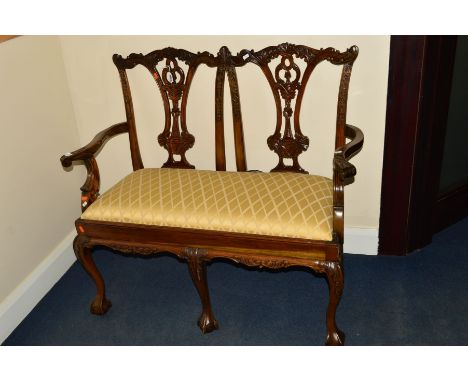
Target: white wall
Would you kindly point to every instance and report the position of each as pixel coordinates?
(39, 200)
(98, 103)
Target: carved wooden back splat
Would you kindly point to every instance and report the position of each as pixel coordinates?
(174, 85)
(288, 84)
(286, 80)
(226, 65)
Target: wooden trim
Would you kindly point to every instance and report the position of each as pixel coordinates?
(429, 150)
(404, 83)
(450, 208)
(137, 162)
(90, 189)
(171, 238)
(419, 83)
(239, 145)
(4, 38)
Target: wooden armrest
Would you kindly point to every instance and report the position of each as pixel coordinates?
(88, 151)
(90, 189)
(341, 165)
(357, 141)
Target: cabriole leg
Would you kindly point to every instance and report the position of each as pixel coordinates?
(334, 272)
(197, 268)
(83, 253)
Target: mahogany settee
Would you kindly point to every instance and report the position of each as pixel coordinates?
(278, 219)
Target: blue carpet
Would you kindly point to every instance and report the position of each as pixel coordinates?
(420, 299)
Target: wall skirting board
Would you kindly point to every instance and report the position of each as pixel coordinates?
(363, 241)
(26, 296)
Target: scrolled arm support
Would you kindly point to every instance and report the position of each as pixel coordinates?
(343, 174)
(87, 154)
(341, 166)
(344, 169)
(90, 189)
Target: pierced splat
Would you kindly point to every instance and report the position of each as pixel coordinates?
(288, 145)
(175, 138)
(174, 85)
(288, 85)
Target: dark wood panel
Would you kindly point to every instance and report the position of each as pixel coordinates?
(418, 98)
(403, 99)
(435, 97)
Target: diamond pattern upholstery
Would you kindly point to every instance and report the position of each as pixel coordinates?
(274, 204)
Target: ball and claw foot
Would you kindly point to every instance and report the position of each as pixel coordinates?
(207, 323)
(336, 338)
(100, 306)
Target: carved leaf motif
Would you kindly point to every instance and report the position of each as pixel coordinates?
(190, 252)
(334, 272)
(137, 250)
(267, 263)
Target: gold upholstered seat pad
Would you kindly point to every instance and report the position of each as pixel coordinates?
(274, 204)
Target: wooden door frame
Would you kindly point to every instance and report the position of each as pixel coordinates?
(419, 84)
